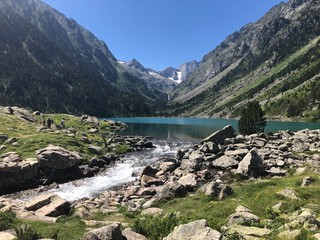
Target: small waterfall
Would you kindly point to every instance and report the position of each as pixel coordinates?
(123, 172)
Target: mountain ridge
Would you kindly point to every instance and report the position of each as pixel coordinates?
(256, 50)
(61, 67)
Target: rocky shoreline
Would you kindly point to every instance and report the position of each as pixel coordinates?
(210, 166)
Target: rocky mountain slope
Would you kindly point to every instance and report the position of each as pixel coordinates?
(272, 60)
(50, 63)
(165, 80)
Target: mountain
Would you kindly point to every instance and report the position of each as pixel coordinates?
(50, 63)
(166, 80)
(151, 77)
(274, 60)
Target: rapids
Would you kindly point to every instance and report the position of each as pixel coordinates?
(125, 170)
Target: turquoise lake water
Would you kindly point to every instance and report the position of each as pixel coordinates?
(195, 128)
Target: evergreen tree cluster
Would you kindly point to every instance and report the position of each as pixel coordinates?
(252, 119)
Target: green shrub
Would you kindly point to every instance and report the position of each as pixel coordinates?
(26, 232)
(6, 220)
(156, 227)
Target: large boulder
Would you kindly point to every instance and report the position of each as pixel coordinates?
(55, 157)
(216, 190)
(197, 230)
(16, 173)
(219, 136)
(110, 232)
(170, 190)
(251, 165)
(189, 181)
(48, 205)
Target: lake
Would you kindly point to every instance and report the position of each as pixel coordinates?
(192, 129)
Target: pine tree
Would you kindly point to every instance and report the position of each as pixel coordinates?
(252, 119)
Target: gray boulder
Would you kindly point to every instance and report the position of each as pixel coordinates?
(242, 216)
(48, 205)
(16, 173)
(110, 232)
(219, 136)
(251, 165)
(225, 162)
(197, 230)
(55, 157)
(131, 235)
(170, 190)
(217, 190)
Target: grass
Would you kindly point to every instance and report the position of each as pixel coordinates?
(259, 196)
(29, 139)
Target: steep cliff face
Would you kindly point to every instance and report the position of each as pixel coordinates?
(242, 66)
(50, 63)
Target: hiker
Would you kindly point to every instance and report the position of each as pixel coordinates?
(62, 123)
(49, 122)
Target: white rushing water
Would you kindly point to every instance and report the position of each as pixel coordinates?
(123, 172)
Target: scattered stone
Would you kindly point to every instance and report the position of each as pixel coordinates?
(251, 165)
(307, 181)
(225, 162)
(219, 136)
(217, 190)
(7, 236)
(289, 234)
(94, 149)
(288, 193)
(131, 235)
(110, 232)
(152, 212)
(195, 230)
(247, 232)
(189, 181)
(243, 216)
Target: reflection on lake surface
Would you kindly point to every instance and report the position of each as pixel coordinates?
(195, 128)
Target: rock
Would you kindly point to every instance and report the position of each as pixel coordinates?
(98, 162)
(239, 152)
(251, 165)
(289, 234)
(48, 205)
(288, 193)
(249, 232)
(217, 190)
(94, 149)
(89, 119)
(196, 156)
(189, 181)
(225, 162)
(152, 212)
(7, 236)
(168, 166)
(131, 235)
(219, 136)
(110, 232)
(10, 141)
(3, 137)
(55, 157)
(17, 174)
(197, 230)
(317, 236)
(209, 147)
(242, 216)
(39, 202)
(11, 157)
(170, 190)
(307, 181)
(274, 171)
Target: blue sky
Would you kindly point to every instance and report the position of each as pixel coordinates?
(162, 33)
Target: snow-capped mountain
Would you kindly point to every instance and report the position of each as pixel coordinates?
(165, 80)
